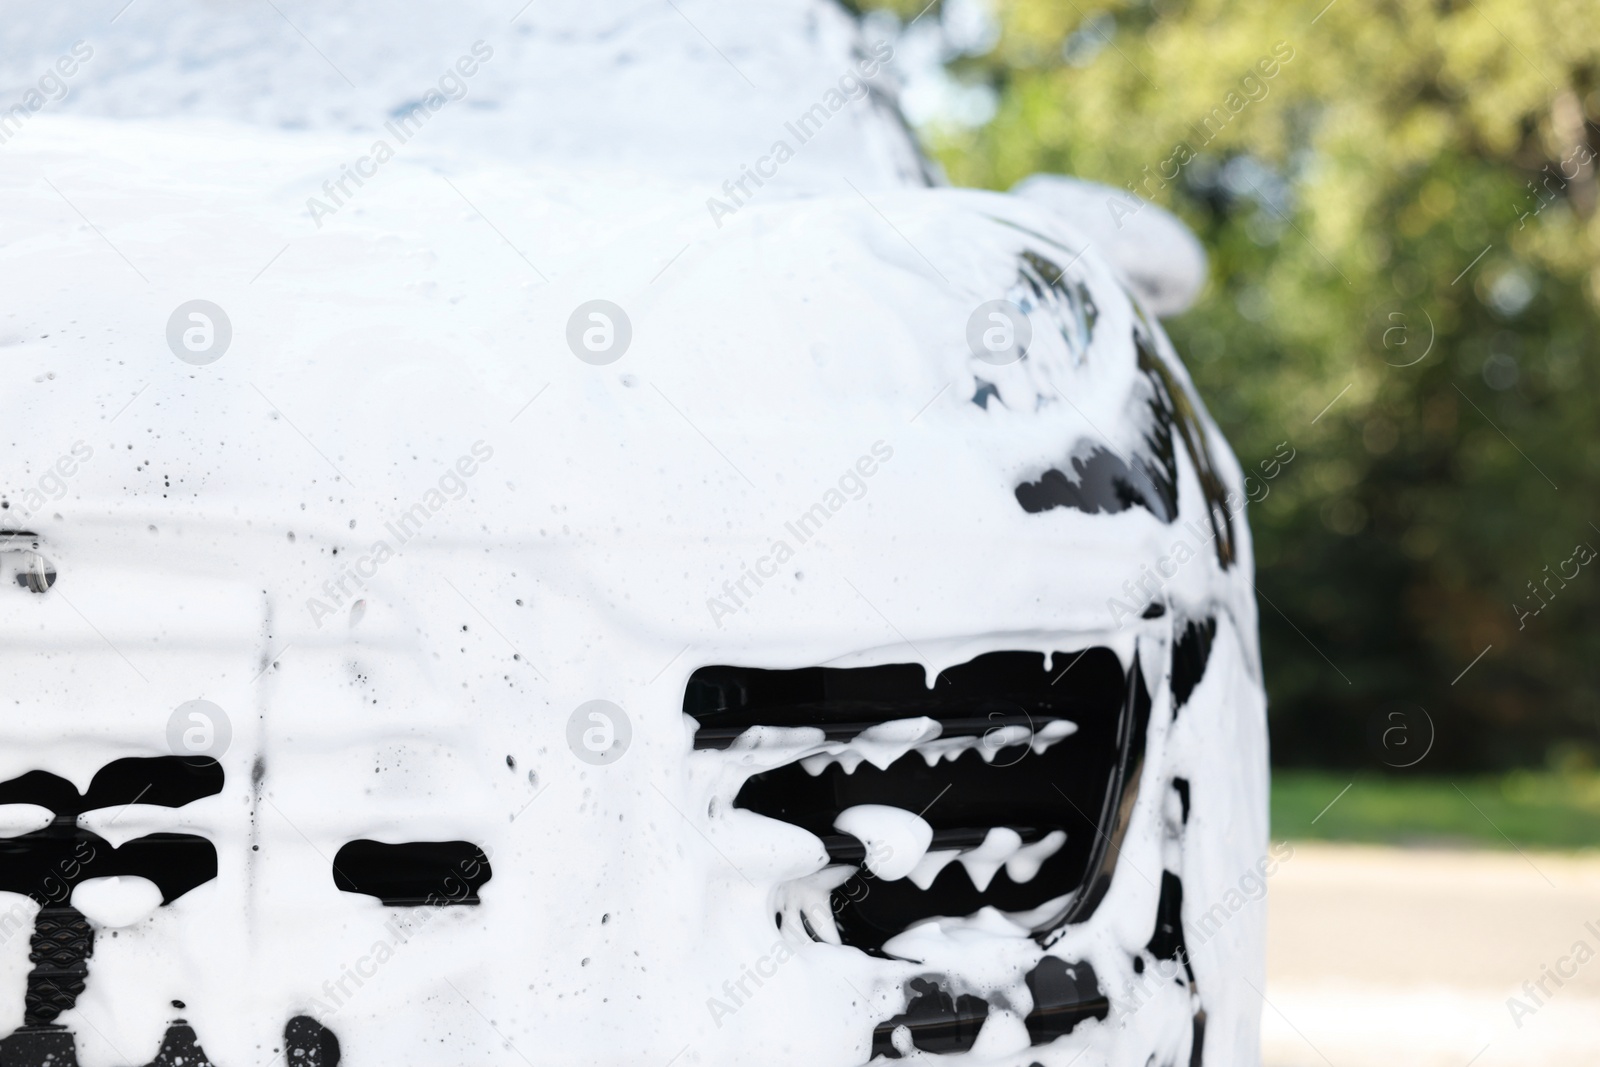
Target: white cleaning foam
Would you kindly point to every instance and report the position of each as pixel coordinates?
(928, 868)
(213, 513)
(895, 839)
(118, 901)
(1026, 861)
(982, 863)
(18, 819)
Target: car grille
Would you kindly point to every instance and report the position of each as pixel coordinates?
(46, 864)
(1005, 700)
(1081, 784)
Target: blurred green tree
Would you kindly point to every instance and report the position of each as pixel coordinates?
(1399, 203)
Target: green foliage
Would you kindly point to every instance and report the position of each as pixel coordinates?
(1345, 198)
(1522, 809)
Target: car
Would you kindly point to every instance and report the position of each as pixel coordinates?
(504, 564)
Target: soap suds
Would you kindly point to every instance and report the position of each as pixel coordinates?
(896, 840)
(983, 862)
(117, 901)
(370, 353)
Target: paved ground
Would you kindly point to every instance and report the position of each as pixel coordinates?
(1407, 957)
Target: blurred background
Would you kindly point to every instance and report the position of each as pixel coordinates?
(1399, 202)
